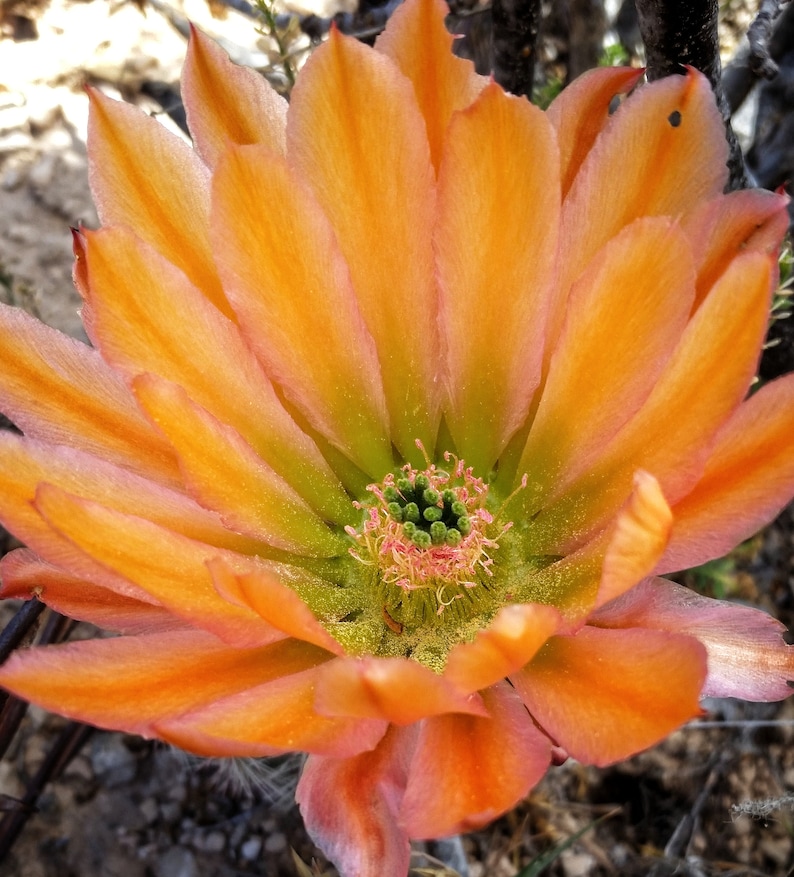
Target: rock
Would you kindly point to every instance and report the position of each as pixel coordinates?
(211, 842)
(177, 862)
(276, 842)
(113, 764)
(251, 849)
(577, 864)
(150, 810)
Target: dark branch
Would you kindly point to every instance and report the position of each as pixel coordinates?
(69, 742)
(22, 625)
(516, 24)
(759, 35)
(684, 32)
(738, 77)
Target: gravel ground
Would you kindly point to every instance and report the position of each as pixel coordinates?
(124, 807)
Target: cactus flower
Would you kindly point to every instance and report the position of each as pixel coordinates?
(401, 399)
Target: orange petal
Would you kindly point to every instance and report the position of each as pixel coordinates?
(131, 285)
(356, 134)
(289, 284)
(613, 561)
(747, 655)
(467, 770)
(146, 178)
(169, 567)
(706, 378)
(80, 267)
(60, 390)
(274, 602)
(417, 41)
(351, 807)
(25, 463)
(226, 103)
(130, 683)
(53, 548)
(273, 718)
(496, 244)
(640, 535)
(582, 110)
(224, 473)
(624, 319)
(571, 583)
(722, 228)
(662, 153)
(24, 575)
(395, 689)
(80, 280)
(509, 642)
(604, 695)
(748, 479)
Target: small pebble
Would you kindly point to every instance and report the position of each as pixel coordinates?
(577, 864)
(177, 862)
(211, 842)
(251, 849)
(80, 768)
(112, 762)
(149, 810)
(275, 843)
(42, 172)
(170, 811)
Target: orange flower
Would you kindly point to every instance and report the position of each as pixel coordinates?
(400, 398)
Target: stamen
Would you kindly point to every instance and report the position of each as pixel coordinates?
(429, 530)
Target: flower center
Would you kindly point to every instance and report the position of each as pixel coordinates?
(432, 540)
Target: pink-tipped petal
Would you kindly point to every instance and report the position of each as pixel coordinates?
(25, 576)
(395, 689)
(224, 474)
(59, 390)
(351, 807)
(226, 103)
(129, 683)
(640, 535)
(417, 41)
(746, 653)
(495, 258)
(289, 283)
(581, 111)
(748, 479)
(507, 644)
(604, 695)
(356, 135)
(723, 227)
(133, 327)
(661, 154)
(467, 770)
(273, 718)
(160, 188)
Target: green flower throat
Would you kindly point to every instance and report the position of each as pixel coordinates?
(428, 553)
(432, 561)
